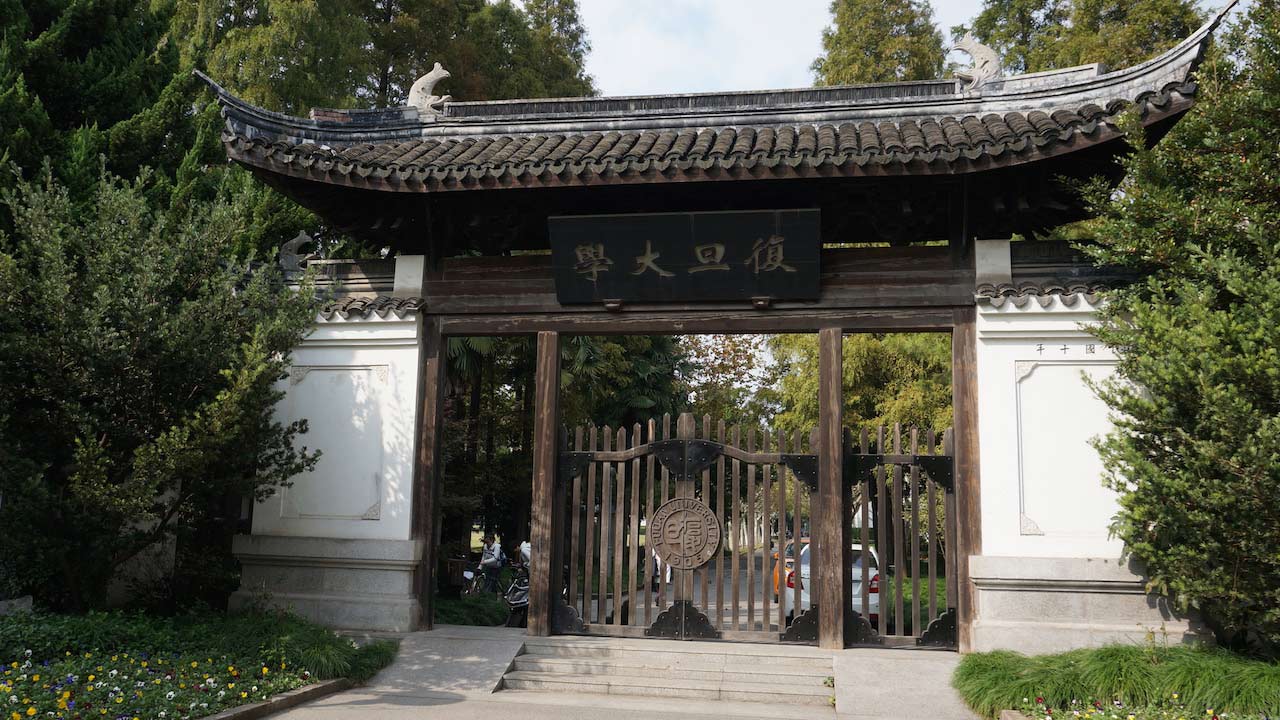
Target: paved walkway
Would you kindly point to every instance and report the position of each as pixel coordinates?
(451, 672)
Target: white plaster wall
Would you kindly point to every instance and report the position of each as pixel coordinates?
(1042, 492)
(355, 381)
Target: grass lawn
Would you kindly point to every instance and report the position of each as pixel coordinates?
(119, 665)
(1127, 682)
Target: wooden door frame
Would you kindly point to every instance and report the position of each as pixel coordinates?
(829, 324)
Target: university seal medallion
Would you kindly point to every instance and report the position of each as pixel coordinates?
(685, 533)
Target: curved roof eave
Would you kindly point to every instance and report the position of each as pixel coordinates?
(925, 128)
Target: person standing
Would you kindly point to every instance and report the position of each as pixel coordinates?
(491, 562)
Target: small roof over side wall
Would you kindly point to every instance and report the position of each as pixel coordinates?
(897, 129)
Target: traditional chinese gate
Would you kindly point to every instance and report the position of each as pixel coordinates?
(661, 532)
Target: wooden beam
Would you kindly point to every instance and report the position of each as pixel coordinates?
(964, 341)
(542, 573)
(831, 543)
(427, 480)
(625, 322)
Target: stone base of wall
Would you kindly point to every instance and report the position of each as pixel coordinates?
(348, 584)
(1045, 605)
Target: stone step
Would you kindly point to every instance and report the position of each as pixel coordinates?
(691, 670)
(779, 692)
(602, 705)
(670, 653)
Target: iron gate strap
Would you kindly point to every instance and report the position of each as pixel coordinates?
(939, 468)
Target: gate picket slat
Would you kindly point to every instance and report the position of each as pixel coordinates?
(949, 519)
(766, 535)
(663, 591)
(650, 563)
(796, 547)
(899, 581)
(931, 495)
(881, 536)
(914, 501)
(633, 548)
(735, 522)
(590, 522)
(782, 533)
(602, 574)
(619, 520)
(575, 525)
(864, 489)
(707, 491)
(752, 525)
(718, 508)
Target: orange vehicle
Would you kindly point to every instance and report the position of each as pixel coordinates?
(783, 566)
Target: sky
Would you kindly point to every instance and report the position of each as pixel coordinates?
(648, 47)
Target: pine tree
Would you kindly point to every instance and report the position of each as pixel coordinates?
(1036, 35)
(879, 41)
(1195, 454)
(1020, 30)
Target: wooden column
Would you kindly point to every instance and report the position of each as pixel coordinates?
(546, 411)
(426, 505)
(964, 382)
(832, 545)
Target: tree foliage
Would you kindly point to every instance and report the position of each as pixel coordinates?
(1195, 455)
(1036, 35)
(887, 378)
(84, 78)
(137, 368)
(873, 41)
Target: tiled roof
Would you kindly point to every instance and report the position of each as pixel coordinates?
(365, 307)
(1020, 295)
(934, 127)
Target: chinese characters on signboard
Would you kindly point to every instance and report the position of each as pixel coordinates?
(686, 256)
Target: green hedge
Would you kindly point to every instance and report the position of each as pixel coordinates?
(1197, 679)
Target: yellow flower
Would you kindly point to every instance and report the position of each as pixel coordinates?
(31, 711)
(15, 716)
(144, 663)
(194, 663)
(91, 677)
(244, 695)
(265, 670)
(35, 678)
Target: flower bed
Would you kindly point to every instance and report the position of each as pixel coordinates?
(247, 659)
(1171, 708)
(126, 686)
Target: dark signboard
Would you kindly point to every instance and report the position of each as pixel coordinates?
(669, 257)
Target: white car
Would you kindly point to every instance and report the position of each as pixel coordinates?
(873, 594)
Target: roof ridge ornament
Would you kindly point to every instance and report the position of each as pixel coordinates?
(292, 261)
(421, 93)
(986, 63)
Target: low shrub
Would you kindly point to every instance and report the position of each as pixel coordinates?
(1145, 682)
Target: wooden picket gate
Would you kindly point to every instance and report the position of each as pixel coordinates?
(694, 534)
(902, 495)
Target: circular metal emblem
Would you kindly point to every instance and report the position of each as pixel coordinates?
(685, 533)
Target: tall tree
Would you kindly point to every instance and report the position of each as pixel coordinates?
(1195, 454)
(887, 378)
(1036, 35)
(138, 368)
(1019, 30)
(874, 41)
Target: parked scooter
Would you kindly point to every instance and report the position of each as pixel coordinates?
(517, 595)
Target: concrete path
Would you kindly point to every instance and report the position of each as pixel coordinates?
(451, 672)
